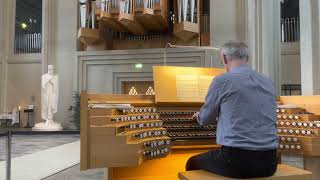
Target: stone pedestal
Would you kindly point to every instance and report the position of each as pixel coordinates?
(52, 126)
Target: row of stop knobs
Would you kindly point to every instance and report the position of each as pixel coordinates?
(289, 146)
(152, 144)
(155, 153)
(291, 117)
(295, 131)
(140, 110)
(149, 134)
(300, 124)
(134, 118)
(288, 139)
(145, 125)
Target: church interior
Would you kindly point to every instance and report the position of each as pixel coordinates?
(108, 89)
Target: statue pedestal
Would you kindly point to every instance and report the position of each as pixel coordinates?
(52, 126)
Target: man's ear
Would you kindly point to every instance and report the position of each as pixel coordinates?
(225, 61)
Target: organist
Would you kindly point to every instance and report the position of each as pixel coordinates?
(244, 104)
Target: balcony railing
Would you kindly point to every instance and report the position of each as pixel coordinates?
(290, 30)
(27, 43)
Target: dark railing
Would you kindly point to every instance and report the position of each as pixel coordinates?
(27, 43)
(8, 134)
(291, 89)
(290, 30)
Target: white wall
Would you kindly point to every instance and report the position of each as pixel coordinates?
(1, 86)
(226, 23)
(290, 63)
(23, 87)
(2, 40)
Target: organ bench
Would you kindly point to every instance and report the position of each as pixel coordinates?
(283, 173)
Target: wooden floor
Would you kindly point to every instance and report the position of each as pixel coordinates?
(159, 169)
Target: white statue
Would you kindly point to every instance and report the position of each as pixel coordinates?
(49, 101)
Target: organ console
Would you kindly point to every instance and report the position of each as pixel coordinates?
(152, 136)
(183, 130)
(298, 126)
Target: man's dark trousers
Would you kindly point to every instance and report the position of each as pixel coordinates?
(235, 162)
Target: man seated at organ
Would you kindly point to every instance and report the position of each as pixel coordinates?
(243, 102)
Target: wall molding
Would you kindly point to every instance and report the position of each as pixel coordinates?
(120, 77)
(121, 63)
(291, 48)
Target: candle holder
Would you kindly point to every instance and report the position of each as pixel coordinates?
(29, 111)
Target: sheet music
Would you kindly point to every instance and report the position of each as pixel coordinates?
(204, 83)
(192, 88)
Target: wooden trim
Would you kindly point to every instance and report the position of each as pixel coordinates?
(310, 103)
(198, 21)
(84, 131)
(123, 99)
(108, 174)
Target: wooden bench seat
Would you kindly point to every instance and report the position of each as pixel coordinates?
(284, 172)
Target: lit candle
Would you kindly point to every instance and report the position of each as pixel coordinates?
(19, 116)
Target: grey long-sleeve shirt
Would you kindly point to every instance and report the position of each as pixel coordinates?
(245, 104)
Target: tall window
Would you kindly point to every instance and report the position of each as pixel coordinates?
(28, 26)
(290, 22)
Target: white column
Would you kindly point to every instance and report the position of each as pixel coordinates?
(5, 37)
(48, 34)
(65, 48)
(2, 10)
(263, 37)
(226, 26)
(309, 44)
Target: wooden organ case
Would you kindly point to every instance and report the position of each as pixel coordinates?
(151, 137)
(122, 131)
(299, 125)
(138, 24)
(147, 137)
